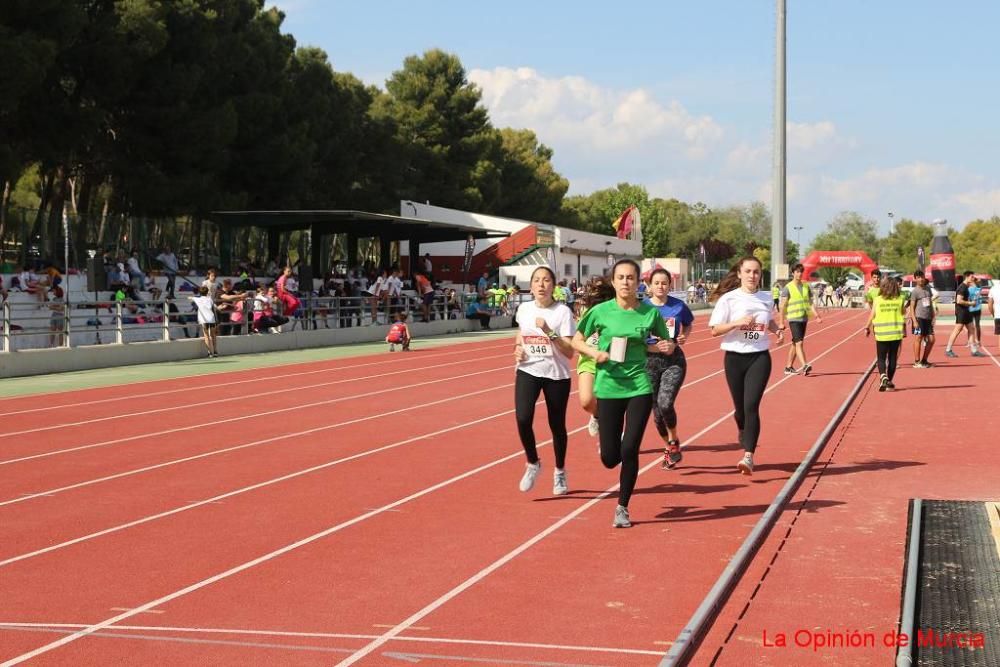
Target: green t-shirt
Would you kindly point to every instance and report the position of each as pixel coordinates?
(627, 378)
(871, 294)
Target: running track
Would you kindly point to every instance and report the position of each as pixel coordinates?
(366, 511)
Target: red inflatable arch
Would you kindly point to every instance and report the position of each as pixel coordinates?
(839, 258)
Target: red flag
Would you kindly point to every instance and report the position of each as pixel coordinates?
(623, 225)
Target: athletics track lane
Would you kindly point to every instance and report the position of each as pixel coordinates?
(519, 499)
(935, 438)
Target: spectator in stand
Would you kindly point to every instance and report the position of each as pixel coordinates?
(3, 291)
(211, 276)
(284, 284)
(395, 289)
(426, 292)
(399, 334)
(497, 299)
(265, 317)
(136, 277)
(428, 266)
(207, 319)
(380, 294)
(483, 284)
(230, 305)
(477, 310)
(453, 305)
(170, 267)
(57, 321)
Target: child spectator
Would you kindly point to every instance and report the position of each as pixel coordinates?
(207, 319)
(399, 334)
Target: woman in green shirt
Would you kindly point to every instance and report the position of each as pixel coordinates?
(624, 392)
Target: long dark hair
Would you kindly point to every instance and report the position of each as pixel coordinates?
(597, 290)
(731, 280)
(631, 263)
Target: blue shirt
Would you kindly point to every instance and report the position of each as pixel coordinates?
(675, 310)
(975, 298)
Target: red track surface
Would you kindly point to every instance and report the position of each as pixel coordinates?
(397, 533)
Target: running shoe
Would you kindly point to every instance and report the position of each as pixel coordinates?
(621, 518)
(592, 427)
(950, 353)
(889, 386)
(977, 353)
(672, 454)
(918, 364)
(926, 364)
(790, 371)
(530, 473)
(883, 383)
(806, 369)
(745, 466)
(559, 487)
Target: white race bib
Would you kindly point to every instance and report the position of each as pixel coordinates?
(925, 302)
(538, 346)
(594, 340)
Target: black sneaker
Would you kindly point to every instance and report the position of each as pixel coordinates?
(789, 370)
(889, 386)
(806, 369)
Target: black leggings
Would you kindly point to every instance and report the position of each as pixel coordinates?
(527, 387)
(747, 376)
(623, 448)
(666, 372)
(886, 352)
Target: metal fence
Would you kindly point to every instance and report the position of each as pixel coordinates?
(53, 324)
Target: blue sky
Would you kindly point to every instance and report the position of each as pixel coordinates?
(892, 105)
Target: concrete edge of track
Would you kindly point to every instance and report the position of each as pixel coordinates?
(44, 383)
(904, 657)
(691, 635)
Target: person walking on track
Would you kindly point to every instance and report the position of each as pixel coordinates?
(921, 313)
(963, 318)
(624, 392)
(743, 316)
(886, 320)
(796, 309)
(598, 290)
(667, 370)
(542, 352)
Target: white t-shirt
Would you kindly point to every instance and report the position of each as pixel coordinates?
(544, 359)
(736, 305)
(380, 285)
(395, 286)
(206, 309)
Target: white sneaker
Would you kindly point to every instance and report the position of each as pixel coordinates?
(530, 473)
(592, 427)
(745, 466)
(559, 486)
(621, 518)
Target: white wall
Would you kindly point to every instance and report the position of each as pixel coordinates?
(456, 248)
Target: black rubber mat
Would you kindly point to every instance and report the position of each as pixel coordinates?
(958, 597)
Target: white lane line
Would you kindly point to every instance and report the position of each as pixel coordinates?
(148, 611)
(255, 443)
(339, 635)
(183, 405)
(266, 483)
(517, 551)
(331, 367)
(240, 418)
(269, 556)
(83, 632)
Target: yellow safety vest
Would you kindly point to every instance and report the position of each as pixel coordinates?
(775, 292)
(798, 302)
(888, 321)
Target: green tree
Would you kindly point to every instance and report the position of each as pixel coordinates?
(448, 151)
(977, 246)
(531, 188)
(899, 249)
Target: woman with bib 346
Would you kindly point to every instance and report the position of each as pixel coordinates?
(624, 392)
(542, 352)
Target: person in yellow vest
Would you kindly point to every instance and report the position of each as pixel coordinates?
(796, 308)
(559, 293)
(886, 320)
(776, 294)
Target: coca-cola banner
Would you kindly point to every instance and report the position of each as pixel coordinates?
(943, 262)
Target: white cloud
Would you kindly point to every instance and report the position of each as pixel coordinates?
(980, 203)
(574, 115)
(884, 184)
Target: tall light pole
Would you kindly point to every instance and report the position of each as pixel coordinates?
(778, 228)
(798, 238)
(892, 223)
